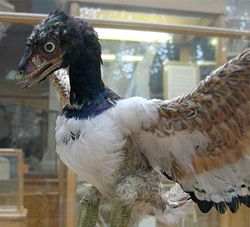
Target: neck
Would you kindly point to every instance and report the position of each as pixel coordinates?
(88, 95)
(85, 79)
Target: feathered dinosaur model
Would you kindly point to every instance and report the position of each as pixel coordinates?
(125, 147)
(177, 202)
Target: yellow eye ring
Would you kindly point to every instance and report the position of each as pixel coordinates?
(49, 47)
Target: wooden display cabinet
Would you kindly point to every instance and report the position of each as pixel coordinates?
(12, 212)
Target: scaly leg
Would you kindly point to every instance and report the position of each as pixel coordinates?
(125, 196)
(88, 213)
(120, 212)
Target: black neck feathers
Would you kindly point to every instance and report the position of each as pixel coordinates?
(88, 95)
(85, 79)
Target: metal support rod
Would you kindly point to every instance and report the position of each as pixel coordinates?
(30, 18)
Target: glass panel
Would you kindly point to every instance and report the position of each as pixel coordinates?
(135, 61)
(238, 14)
(27, 117)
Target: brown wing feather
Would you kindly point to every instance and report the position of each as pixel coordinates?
(219, 109)
(218, 106)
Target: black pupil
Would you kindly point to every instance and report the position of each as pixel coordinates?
(49, 47)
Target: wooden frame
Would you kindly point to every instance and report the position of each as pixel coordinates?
(28, 18)
(20, 171)
(204, 6)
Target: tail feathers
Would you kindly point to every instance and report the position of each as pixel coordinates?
(178, 204)
(222, 206)
(245, 200)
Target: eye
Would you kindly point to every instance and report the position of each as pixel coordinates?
(49, 47)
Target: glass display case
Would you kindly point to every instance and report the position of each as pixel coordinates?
(144, 45)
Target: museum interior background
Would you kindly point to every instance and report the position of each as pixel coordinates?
(153, 48)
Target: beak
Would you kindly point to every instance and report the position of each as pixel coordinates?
(35, 67)
(22, 68)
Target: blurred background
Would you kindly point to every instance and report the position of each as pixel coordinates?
(154, 48)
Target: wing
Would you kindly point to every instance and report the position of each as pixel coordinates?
(201, 140)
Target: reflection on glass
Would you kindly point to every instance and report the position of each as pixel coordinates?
(135, 64)
(27, 117)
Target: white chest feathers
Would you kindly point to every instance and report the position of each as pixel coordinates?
(91, 148)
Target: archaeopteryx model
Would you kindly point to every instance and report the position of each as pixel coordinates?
(126, 147)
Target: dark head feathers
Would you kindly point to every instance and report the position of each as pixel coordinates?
(74, 34)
